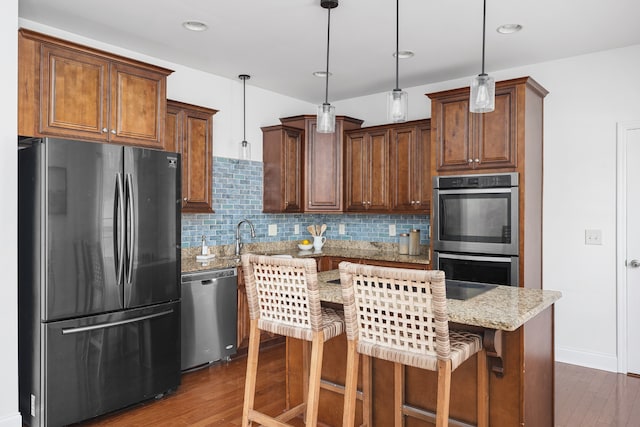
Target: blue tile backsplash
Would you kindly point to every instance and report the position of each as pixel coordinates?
(237, 194)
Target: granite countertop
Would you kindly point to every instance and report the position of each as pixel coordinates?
(224, 257)
(503, 307)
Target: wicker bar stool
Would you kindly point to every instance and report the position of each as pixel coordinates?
(400, 315)
(284, 299)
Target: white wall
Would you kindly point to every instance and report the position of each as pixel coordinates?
(9, 416)
(588, 95)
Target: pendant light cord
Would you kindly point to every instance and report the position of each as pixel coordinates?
(397, 42)
(244, 109)
(484, 25)
(326, 86)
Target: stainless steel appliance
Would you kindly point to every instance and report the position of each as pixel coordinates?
(476, 214)
(497, 270)
(209, 316)
(99, 278)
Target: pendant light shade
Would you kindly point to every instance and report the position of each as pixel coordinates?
(397, 99)
(483, 86)
(326, 117)
(245, 147)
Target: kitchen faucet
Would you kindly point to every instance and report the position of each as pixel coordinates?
(238, 239)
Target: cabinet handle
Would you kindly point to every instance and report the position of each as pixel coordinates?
(105, 130)
(477, 160)
(369, 202)
(185, 199)
(413, 202)
(470, 161)
(364, 203)
(113, 131)
(417, 202)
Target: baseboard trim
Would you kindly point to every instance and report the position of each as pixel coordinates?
(605, 362)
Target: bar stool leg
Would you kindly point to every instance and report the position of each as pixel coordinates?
(367, 392)
(252, 370)
(315, 372)
(483, 389)
(398, 394)
(444, 392)
(351, 385)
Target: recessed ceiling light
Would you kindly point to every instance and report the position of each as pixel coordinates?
(403, 54)
(195, 25)
(321, 73)
(509, 28)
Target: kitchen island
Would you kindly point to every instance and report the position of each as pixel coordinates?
(517, 324)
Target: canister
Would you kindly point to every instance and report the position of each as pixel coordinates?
(403, 244)
(414, 242)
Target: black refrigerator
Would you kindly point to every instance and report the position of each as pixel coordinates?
(98, 278)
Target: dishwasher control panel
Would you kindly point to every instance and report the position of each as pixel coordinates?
(209, 274)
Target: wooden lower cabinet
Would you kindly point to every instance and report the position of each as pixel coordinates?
(189, 131)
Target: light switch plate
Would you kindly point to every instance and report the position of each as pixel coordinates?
(392, 229)
(341, 229)
(296, 229)
(273, 229)
(592, 237)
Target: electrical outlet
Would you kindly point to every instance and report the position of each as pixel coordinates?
(592, 237)
(273, 229)
(342, 229)
(392, 229)
(296, 229)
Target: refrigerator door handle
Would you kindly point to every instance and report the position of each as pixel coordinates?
(118, 220)
(131, 232)
(68, 331)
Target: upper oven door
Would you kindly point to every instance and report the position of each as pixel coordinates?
(476, 220)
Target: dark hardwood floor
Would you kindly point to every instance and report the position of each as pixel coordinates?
(213, 397)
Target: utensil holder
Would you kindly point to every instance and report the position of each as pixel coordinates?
(414, 242)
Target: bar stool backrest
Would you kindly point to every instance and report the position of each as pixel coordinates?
(396, 314)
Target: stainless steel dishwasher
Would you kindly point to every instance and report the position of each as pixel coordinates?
(209, 316)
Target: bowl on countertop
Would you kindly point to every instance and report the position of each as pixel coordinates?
(305, 247)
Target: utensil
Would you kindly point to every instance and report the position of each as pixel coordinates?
(323, 228)
(311, 229)
(317, 230)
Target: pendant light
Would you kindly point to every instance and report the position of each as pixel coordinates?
(483, 86)
(326, 118)
(397, 99)
(245, 147)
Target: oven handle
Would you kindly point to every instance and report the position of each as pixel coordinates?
(477, 190)
(476, 257)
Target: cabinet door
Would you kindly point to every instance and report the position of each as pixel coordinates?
(378, 171)
(173, 130)
(197, 162)
(323, 151)
(422, 172)
(138, 106)
(496, 133)
(292, 170)
(73, 94)
(356, 170)
(451, 121)
(403, 167)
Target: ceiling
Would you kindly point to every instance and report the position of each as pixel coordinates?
(280, 43)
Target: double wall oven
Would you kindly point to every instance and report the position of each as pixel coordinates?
(475, 228)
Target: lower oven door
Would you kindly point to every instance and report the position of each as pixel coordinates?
(496, 270)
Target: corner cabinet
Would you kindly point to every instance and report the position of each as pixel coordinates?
(283, 171)
(465, 141)
(322, 185)
(387, 168)
(189, 131)
(72, 91)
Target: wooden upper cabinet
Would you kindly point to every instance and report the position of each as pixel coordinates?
(410, 158)
(72, 91)
(366, 170)
(323, 185)
(282, 149)
(470, 141)
(189, 131)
